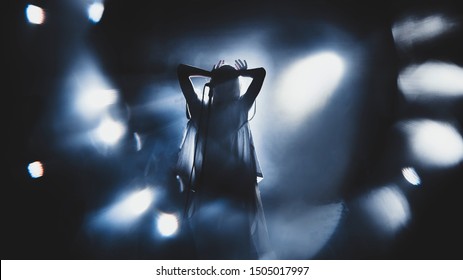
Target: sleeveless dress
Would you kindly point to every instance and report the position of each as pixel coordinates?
(225, 210)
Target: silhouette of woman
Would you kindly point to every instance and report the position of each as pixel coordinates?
(218, 165)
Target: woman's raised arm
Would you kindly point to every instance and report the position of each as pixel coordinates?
(257, 75)
(184, 72)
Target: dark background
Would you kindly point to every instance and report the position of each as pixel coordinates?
(352, 146)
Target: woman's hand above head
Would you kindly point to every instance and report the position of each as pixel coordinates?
(241, 64)
(222, 72)
(219, 64)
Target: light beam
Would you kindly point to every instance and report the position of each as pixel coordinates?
(309, 83)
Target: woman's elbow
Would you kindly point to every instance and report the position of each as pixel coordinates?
(181, 68)
(262, 72)
(183, 71)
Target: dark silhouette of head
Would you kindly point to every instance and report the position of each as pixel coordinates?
(225, 84)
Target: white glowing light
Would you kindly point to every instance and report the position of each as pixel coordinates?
(431, 79)
(414, 30)
(434, 143)
(95, 101)
(139, 202)
(308, 84)
(35, 169)
(91, 91)
(95, 11)
(110, 131)
(35, 14)
(388, 209)
(411, 176)
(132, 206)
(127, 210)
(167, 224)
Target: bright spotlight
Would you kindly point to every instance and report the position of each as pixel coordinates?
(91, 92)
(109, 131)
(35, 14)
(35, 169)
(308, 84)
(167, 224)
(388, 208)
(126, 210)
(414, 30)
(94, 101)
(434, 143)
(411, 176)
(431, 79)
(132, 206)
(95, 11)
(139, 202)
